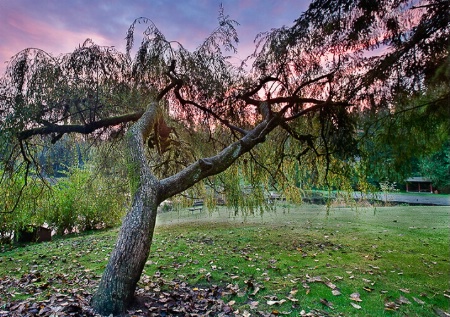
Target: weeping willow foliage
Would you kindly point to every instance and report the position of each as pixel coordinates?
(334, 105)
(291, 122)
(284, 166)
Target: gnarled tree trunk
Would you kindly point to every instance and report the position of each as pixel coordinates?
(118, 283)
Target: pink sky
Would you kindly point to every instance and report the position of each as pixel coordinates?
(59, 26)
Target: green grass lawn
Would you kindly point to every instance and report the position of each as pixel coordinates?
(389, 261)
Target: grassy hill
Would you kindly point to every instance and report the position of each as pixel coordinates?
(299, 260)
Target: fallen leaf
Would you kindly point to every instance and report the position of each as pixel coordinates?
(391, 306)
(418, 301)
(440, 312)
(275, 302)
(403, 300)
(256, 290)
(314, 279)
(253, 304)
(336, 292)
(355, 297)
(293, 299)
(326, 303)
(355, 305)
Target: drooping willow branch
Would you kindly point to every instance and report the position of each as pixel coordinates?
(22, 188)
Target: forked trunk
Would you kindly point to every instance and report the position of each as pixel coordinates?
(118, 284)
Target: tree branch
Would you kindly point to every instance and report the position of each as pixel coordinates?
(205, 167)
(309, 82)
(320, 104)
(248, 94)
(208, 111)
(80, 128)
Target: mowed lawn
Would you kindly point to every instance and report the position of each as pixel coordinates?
(388, 261)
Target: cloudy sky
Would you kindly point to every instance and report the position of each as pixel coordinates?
(58, 26)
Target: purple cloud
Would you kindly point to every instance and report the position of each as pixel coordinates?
(60, 26)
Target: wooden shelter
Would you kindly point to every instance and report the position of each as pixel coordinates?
(419, 184)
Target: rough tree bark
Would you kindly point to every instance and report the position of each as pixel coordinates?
(118, 283)
(116, 289)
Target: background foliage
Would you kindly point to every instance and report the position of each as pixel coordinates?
(84, 198)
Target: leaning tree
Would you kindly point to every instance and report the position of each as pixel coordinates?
(187, 116)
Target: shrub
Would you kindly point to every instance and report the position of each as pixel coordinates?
(21, 204)
(85, 200)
